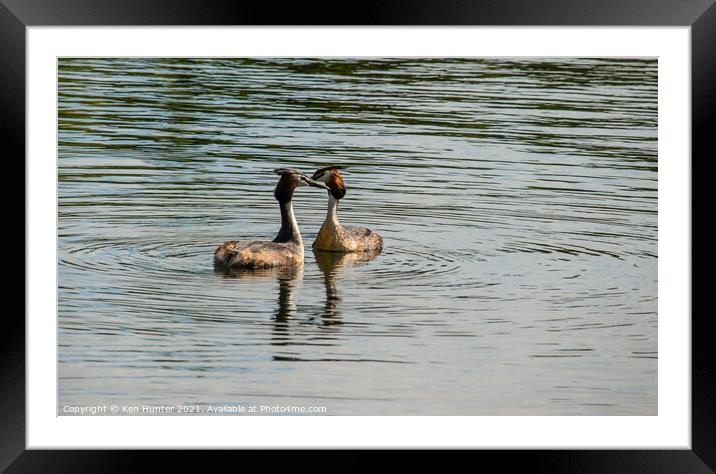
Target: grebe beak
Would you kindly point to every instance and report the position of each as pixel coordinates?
(315, 184)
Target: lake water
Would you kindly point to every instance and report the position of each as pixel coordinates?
(517, 199)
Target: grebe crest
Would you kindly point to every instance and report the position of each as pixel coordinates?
(287, 248)
(331, 175)
(334, 237)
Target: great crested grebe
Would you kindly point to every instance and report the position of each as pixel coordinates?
(333, 237)
(287, 248)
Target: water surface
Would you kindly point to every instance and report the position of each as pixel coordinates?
(517, 199)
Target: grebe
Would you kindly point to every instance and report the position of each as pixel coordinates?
(333, 237)
(287, 248)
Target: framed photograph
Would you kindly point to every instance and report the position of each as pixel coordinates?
(422, 229)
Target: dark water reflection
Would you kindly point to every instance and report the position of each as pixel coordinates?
(516, 198)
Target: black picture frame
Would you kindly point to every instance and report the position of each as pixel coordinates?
(700, 15)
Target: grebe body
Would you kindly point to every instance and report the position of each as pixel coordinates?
(334, 237)
(287, 248)
(257, 254)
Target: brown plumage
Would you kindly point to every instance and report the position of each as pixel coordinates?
(336, 185)
(287, 248)
(334, 237)
(258, 254)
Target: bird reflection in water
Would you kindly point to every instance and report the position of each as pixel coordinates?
(331, 264)
(289, 279)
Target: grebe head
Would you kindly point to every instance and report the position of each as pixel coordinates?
(331, 175)
(289, 181)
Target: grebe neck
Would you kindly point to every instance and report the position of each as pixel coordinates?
(332, 215)
(289, 227)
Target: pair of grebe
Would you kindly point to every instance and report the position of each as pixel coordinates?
(287, 248)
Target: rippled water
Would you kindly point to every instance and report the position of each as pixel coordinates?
(517, 199)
